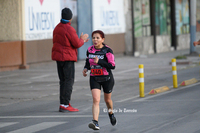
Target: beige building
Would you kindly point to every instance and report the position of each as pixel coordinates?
(15, 51)
(166, 28)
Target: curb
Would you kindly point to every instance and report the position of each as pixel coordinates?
(159, 90)
(165, 88)
(182, 62)
(189, 82)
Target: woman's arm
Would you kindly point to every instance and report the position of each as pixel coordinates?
(111, 61)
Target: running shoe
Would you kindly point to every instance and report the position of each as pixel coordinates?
(94, 125)
(113, 120)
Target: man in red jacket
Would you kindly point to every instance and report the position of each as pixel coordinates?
(64, 52)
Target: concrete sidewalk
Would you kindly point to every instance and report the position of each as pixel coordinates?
(41, 80)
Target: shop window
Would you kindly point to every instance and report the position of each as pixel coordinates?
(182, 17)
(162, 16)
(141, 18)
(198, 16)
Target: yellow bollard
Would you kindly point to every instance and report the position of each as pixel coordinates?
(199, 61)
(174, 72)
(141, 80)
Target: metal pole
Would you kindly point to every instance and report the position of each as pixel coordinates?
(173, 24)
(133, 29)
(192, 25)
(153, 24)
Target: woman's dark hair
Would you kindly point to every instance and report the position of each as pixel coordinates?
(100, 32)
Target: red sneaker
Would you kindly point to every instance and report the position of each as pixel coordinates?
(75, 109)
(69, 108)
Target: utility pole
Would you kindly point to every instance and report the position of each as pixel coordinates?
(192, 27)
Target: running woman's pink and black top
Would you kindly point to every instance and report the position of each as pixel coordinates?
(100, 73)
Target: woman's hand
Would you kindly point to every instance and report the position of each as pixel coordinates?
(96, 59)
(85, 72)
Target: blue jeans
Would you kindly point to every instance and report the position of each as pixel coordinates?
(66, 72)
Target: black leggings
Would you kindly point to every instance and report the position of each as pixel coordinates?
(107, 85)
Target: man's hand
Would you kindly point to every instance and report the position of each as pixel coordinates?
(196, 43)
(84, 37)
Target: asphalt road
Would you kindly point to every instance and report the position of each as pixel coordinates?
(174, 111)
(29, 99)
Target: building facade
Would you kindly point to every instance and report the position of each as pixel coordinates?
(131, 27)
(158, 25)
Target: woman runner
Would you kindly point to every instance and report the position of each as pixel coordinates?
(100, 61)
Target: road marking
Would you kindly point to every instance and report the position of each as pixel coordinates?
(135, 69)
(129, 70)
(42, 76)
(5, 124)
(12, 75)
(46, 116)
(37, 127)
(53, 84)
(88, 95)
(187, 100)
(126, 99)
(167, 123)
(23, 83)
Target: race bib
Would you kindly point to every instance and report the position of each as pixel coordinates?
(96, 70)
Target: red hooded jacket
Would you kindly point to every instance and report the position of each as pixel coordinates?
(65, 43)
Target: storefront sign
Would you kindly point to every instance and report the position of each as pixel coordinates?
(41, 17)
(108, 16)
